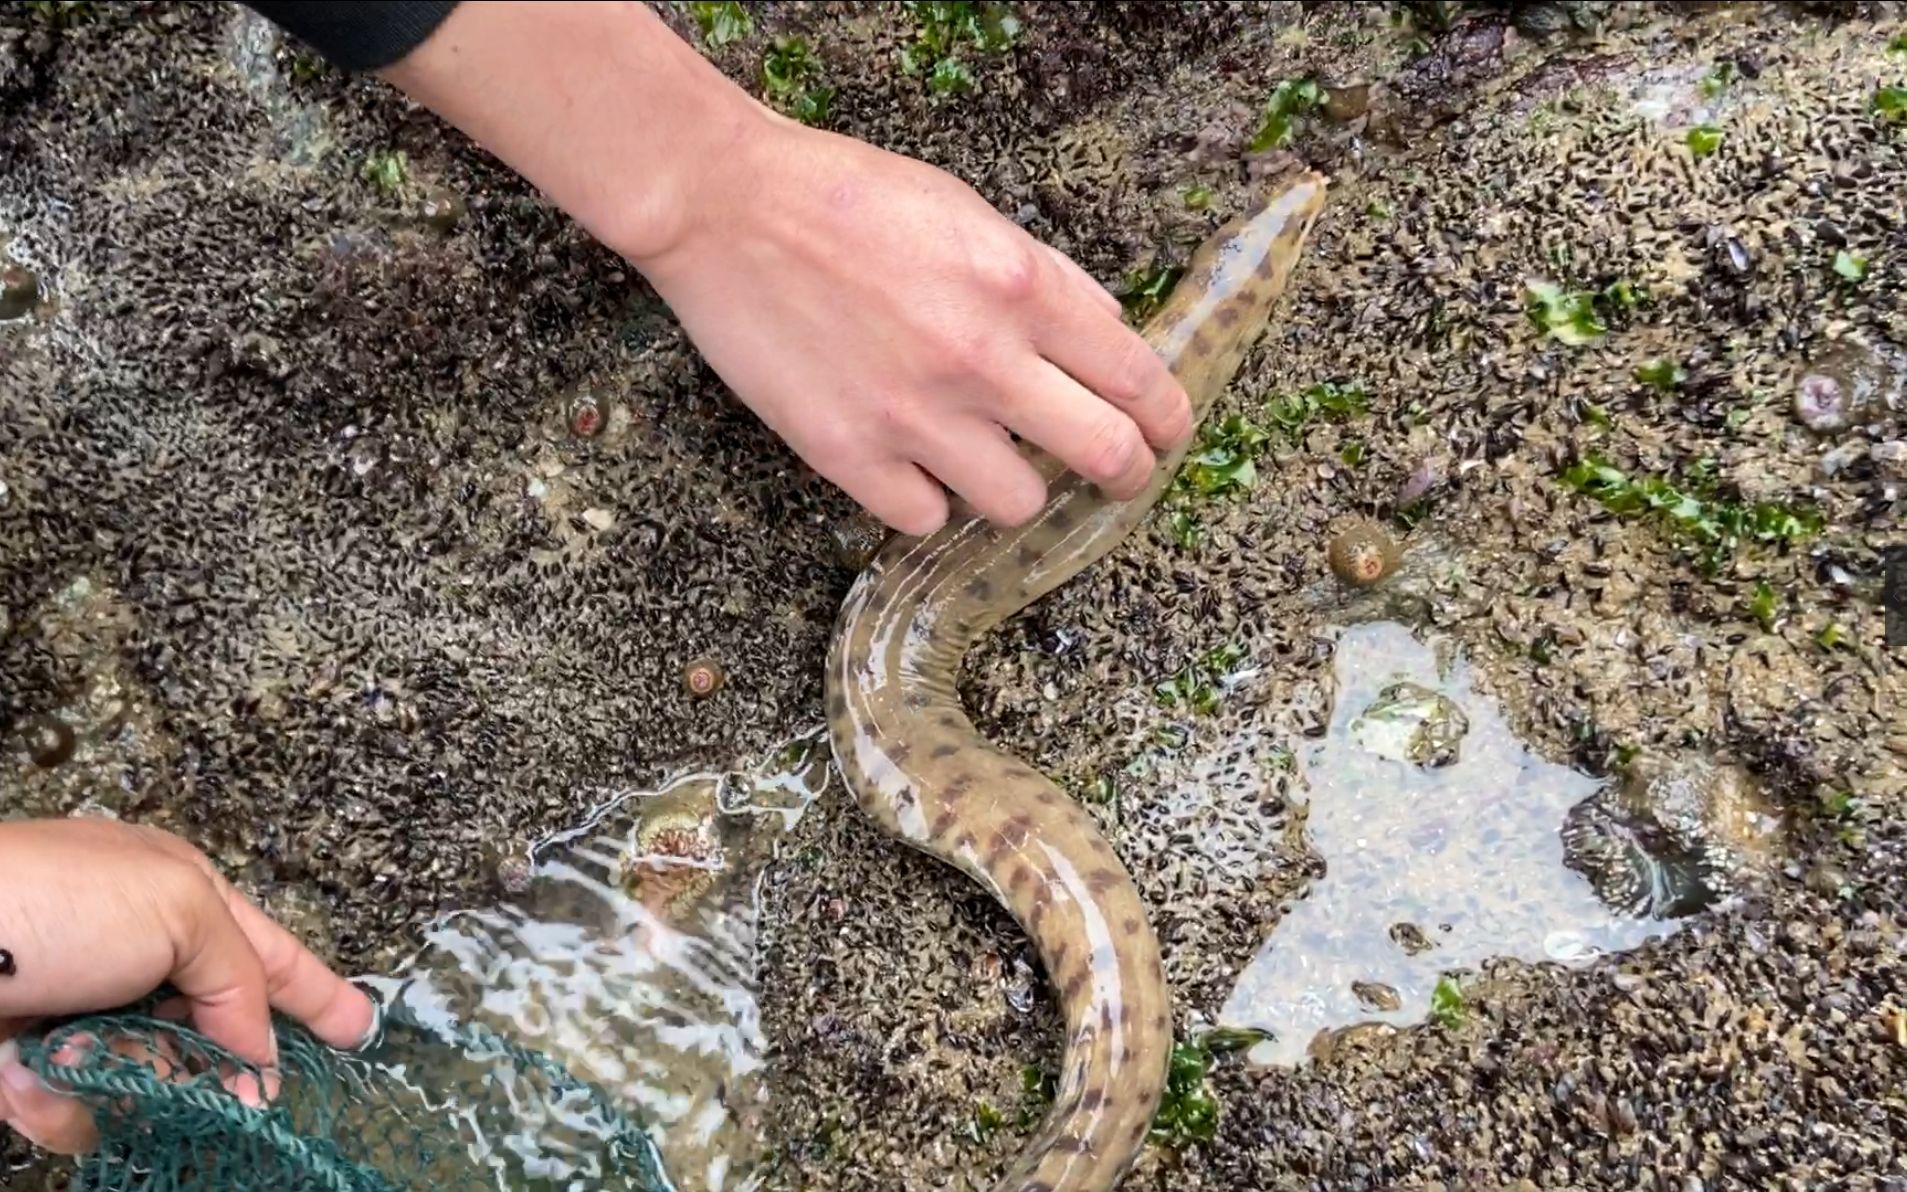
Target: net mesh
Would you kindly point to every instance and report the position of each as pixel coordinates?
(420, 1106)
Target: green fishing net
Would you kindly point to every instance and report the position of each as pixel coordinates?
(435, 1105)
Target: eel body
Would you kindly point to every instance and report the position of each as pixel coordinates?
(917, 766)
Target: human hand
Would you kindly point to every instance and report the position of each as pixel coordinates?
(873, 310)
(893, 327)
(97, 913)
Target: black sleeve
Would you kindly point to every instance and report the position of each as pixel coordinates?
(357, 35)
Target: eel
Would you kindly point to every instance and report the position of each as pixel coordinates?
(920, 769)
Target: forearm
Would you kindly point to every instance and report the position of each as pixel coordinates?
(599, 105)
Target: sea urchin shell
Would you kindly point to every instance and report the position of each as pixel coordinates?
(1362, 555)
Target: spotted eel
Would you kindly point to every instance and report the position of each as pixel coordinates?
(918, 767)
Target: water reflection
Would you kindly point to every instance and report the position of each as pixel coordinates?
(629, 960)
(1443, 845)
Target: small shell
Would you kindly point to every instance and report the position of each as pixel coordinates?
(587, 416)
(515, 872)
(19, 291)
(442, 209)
(702, 678)
(49, 742)
(1363, 555)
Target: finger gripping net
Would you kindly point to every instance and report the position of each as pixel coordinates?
(419, 1106)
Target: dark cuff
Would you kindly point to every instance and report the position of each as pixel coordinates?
(357, 35)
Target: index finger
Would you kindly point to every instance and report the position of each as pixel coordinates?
(1115, 363)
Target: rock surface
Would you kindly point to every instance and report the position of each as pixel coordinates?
(300, 540)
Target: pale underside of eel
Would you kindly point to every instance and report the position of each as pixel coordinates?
(920, 769)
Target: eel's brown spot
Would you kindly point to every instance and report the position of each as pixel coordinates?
(1101, 880)
(1028, 554)
(1020, 829)
(944, 822)
(979, 588)
(1131, 926)
(1201, 343)
(1075, 985)
(945, 749)
(1227, 315)
(1091, 1099)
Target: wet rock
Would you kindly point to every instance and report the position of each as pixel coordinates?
(1412, 723)
(1839, 459)
(1345, 100)
(1890, 458)
(1373, 995)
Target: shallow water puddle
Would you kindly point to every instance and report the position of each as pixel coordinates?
(1444, 846)
(629, 959)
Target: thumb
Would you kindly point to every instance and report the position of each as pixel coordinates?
(55, 1123)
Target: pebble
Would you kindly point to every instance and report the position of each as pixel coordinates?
(1890, 457)
(1840, 459)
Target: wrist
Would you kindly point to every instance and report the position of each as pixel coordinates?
(613, 117)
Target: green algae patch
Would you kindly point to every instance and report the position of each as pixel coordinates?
(721, 21)
(942, 28)
(790, 77)
(1188, 1113)
(1704, 140)
(1291, 101)
(1200, 685)
(1692, 511)
(1446, 1003)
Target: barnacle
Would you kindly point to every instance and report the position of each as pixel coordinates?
(703, 677)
